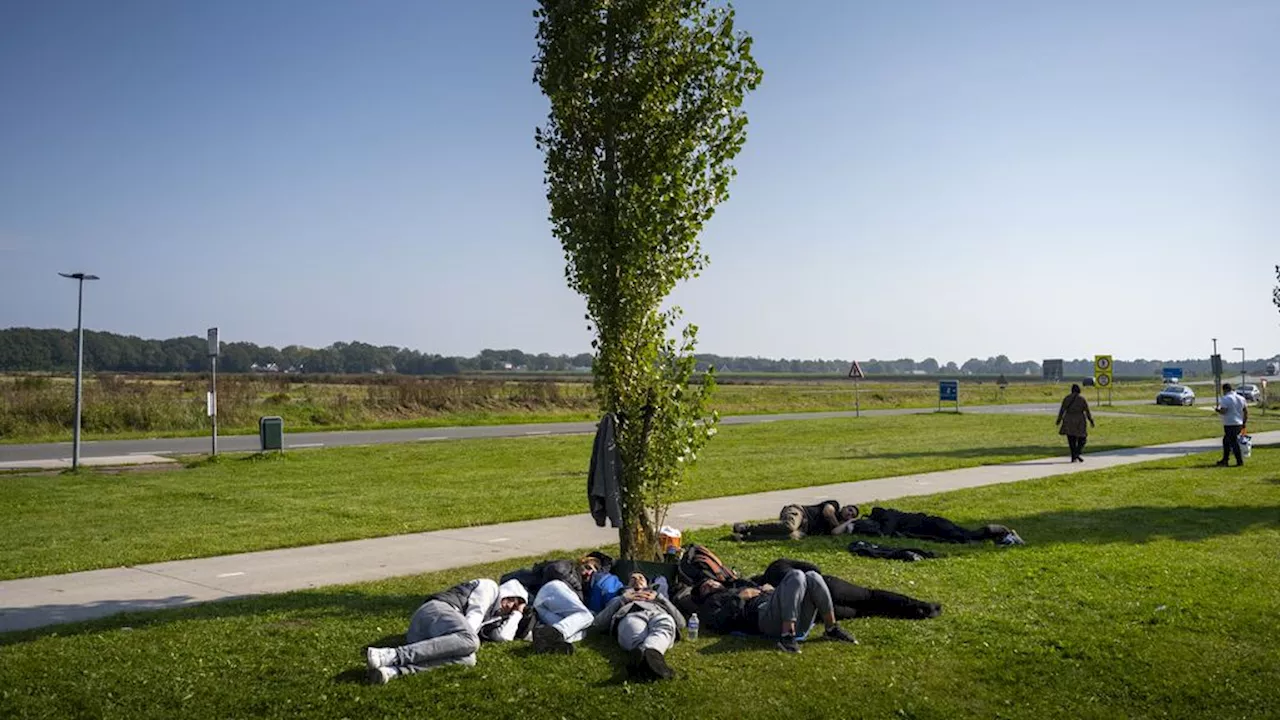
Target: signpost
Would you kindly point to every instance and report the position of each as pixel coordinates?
(855, 372)
(1216, 361)
(1102, 375)
(1002, 384)
(213, 386)
(948, 391)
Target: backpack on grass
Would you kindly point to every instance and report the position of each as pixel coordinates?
(699, 564)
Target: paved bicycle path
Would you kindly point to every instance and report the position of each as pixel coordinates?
(40, 601)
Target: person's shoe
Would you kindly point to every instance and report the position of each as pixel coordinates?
(839, 634)
(1221, 463)
(738, 537)
(382, 675)
(1240, 464)
(376, 657)
(787, 643)
(656, 662)
(740, 528)
(935, 609)
(636, 667)
(796, 535)
(547, 639)
(1011, 538)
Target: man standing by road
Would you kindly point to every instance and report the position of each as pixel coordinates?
(1235, 414)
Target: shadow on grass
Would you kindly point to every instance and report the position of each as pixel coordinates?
(136, 615)
(1139, 524)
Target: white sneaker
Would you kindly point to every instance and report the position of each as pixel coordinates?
(377, 657)
(382, 675)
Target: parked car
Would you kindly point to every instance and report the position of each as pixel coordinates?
(1249, 392)
(1176, 395)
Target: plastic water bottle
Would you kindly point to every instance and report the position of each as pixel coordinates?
(693, 626)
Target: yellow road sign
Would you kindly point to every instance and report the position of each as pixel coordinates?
(1102, 367)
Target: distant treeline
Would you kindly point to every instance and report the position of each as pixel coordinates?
(39, 350)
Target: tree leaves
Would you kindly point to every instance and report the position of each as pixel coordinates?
(645, 119)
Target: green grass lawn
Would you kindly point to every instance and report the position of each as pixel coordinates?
(1148, 591)
(96, 519)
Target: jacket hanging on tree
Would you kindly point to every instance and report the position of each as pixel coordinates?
(604, 479)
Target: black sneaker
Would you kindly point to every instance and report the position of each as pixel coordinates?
(740, 528)
(1222, 463)
(636, 667)
(547, 639)
(657, 665)
(839, 634)
(787, 643)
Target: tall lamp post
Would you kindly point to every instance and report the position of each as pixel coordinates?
(1241, 364)
(75, 439)
(1216, 379)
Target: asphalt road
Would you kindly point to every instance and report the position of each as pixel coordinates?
(249, 443)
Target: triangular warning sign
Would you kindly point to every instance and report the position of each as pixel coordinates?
(855, 371)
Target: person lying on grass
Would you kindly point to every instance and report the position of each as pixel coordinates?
(786, 612)
(796, 521)
(851, 600)
(646, 625)
(448, 627)
(890, 522)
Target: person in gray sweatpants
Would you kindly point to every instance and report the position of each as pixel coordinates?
(448, 627)
(791, 608)
(646, 625)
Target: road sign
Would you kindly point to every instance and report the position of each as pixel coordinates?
(1216, 360)
(855, 371)
(1101, 365)
(213, 342)
(1103, 380)
(948, 390)
(1171, 374)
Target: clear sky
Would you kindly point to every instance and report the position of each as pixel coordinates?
(946, 179)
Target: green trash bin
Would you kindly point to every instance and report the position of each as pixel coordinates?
(271, 432)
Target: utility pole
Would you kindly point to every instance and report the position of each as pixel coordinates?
(75, 432)
(213, 387)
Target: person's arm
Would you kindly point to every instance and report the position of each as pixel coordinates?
(482, 598)
(672, 610)
(1245, 406)
(843, 528)
(506, 632)
(605, 616)
(1088, 415)
(829, 514)
(1062, 409)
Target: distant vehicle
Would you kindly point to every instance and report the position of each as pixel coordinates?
(1087, 382)
(1249, 392)
(1172, 380)
(1176, 395)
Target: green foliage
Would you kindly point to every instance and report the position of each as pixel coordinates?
(645, 119)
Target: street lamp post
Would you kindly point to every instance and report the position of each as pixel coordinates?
(75, 437)
(1241, 364)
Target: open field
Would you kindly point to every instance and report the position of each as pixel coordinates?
(39, 409)
(1141, 593)
(62, 523)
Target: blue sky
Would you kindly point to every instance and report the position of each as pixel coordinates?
(946, 179)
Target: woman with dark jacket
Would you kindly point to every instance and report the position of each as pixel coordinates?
(1071, 422)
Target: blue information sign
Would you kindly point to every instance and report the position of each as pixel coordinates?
(948, 390)
(1171, 374)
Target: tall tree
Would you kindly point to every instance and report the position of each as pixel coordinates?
(645, 120)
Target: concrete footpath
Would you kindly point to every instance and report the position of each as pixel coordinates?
(40, 601)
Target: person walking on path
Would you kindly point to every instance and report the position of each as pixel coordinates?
(1071, 422)
(448, 627)
(1235, 415)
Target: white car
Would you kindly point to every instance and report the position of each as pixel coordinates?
(1249, 392)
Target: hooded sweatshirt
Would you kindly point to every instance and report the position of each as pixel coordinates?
(479, 602)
